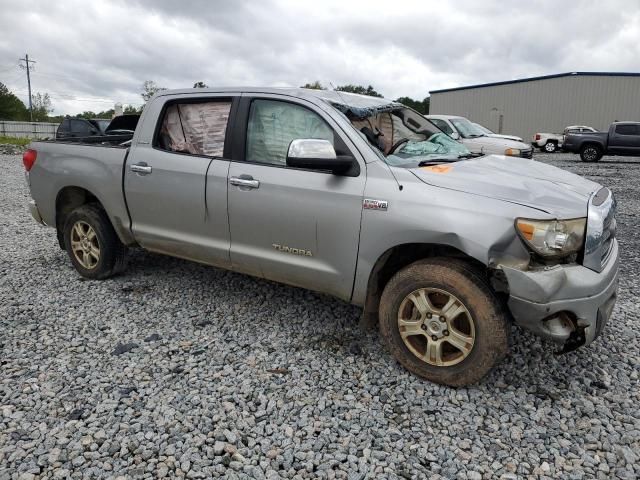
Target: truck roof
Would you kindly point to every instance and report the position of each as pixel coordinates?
(360, 106)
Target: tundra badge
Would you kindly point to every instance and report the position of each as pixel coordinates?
(293, 251)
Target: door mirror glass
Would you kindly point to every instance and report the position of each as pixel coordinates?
(315, 154)
(455, 135)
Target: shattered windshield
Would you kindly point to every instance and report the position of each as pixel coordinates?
(404, 138)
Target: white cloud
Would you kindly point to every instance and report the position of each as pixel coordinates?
(91, 54)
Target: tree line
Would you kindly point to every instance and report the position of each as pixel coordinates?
(12, 108)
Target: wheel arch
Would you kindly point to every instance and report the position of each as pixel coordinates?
(71, 197)
(591, 143)
(398, 257)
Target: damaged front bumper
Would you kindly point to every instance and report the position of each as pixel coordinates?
(569, 304)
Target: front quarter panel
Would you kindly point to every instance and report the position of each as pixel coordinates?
(480, 227)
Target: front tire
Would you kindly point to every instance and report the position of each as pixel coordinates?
(550, 147)
(92, 244)
(442, 322)
(590, 153)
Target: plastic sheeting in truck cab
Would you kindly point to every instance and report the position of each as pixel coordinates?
(197, 128)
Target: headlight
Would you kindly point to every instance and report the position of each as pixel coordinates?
(512, 152)
(552, 238)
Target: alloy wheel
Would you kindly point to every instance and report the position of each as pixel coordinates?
(436, 327)
(85, 245)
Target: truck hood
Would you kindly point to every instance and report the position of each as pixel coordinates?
(516, 180)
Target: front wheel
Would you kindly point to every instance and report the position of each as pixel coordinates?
(590, 153)
(92, 244)
(441, 321)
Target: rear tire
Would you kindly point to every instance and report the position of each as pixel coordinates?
(92, 244)
(550, 147)
(590, 153)
(462, 319)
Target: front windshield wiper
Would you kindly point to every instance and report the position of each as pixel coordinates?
(461, 156)
(424, 163)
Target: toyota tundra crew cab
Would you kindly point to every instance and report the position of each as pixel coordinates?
(358, 197)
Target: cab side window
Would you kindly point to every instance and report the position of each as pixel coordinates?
(80, 127)
(627, 129)
(442, 125)
(273, 125)
(195, 128)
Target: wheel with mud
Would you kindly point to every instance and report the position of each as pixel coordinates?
(441, 321)
(92, 244)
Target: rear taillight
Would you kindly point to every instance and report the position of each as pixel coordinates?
(29, 158)
(537, 136)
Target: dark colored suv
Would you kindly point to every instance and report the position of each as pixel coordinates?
(82, 127)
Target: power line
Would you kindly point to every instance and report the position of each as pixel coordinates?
(27, 61)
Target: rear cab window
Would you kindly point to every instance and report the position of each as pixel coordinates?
(194, 127)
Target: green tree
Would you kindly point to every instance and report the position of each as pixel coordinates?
(130, 109)
(359, 89)
(104, 114)
(200, 85)
(314, 85)
(420, 106)
(41, 103)
(11, 107)
(149, 89)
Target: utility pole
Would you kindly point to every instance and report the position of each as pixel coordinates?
(27, 61)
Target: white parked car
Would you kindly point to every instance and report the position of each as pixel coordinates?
(550, 142)
(489, 133)
(461, 129)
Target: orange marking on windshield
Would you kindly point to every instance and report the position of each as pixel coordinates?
(438, 168)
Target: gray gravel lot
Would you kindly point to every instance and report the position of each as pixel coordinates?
(178, 369)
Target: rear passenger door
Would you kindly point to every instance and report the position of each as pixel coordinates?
(292, 225)
(625, 139)
(175, 179)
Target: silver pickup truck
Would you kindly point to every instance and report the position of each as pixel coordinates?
(358, 197)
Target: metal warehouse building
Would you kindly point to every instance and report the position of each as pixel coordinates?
(544, 104)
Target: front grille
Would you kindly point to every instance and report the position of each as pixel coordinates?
(601, 229)
(526, 153)
(608, 234)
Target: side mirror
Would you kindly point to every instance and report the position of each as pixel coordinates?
(455, 135)
(314, 154)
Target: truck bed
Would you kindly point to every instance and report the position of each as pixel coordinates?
(121, 141)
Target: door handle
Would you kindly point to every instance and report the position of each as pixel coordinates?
(142, 168)
(244, 182)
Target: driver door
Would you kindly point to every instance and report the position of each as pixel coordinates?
(292, 225)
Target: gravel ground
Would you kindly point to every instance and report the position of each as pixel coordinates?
(177, 369)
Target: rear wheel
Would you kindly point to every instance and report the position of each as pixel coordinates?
(590, 153)
(441, 321)
(92, 244)
(550, 147)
